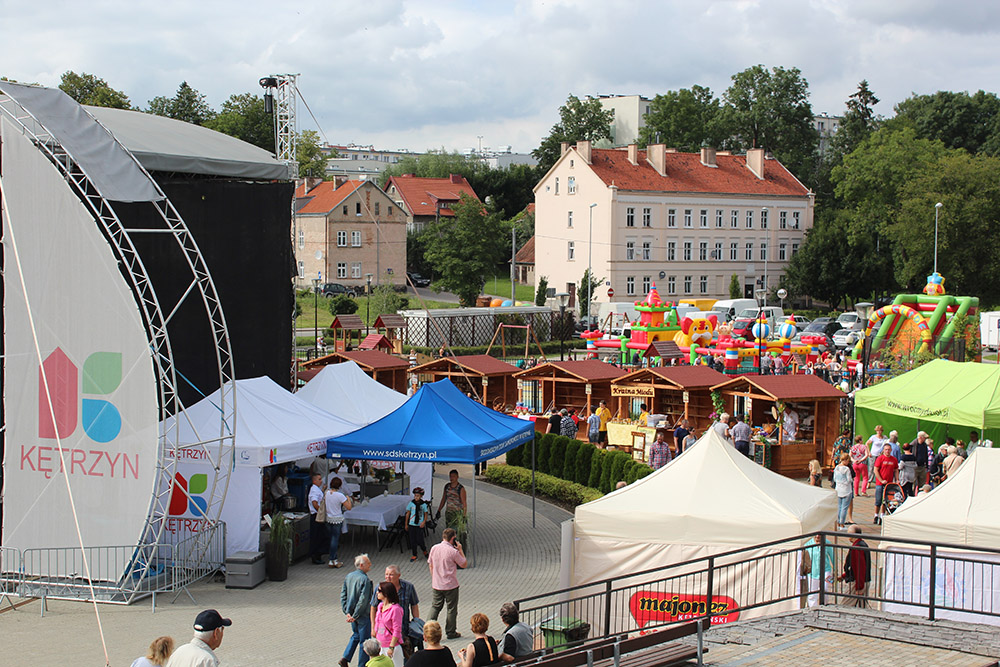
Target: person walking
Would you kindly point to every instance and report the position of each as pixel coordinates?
(416, 519)
(857, 568)
(408, 600)
(605, 415)
(920, 452)
(567, 426)
(741, 435)
(388, 626)
(354, 596)
(659, 452)
(445, 558)
(454, 501)
(336, 504)
(859, 461)
(842, 482)
(317, 529)
(886, 469)
(209, 627)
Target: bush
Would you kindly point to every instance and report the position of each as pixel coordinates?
(542, 455)
(343, 305)
(596, 468)
(516, 455)
(584, 458)
(557, 456)
(518, 478)
(572, 454)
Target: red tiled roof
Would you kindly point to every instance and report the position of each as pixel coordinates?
(787, 387)
(526, 255)
(421, 195)
(588, 370)
(326, 197)
(375, 341)
(349, 322)
(690, 377)
(686, 173)
(530, 208)
(478, 364)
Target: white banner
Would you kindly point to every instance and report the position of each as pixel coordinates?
(86, 338)
(957, 583)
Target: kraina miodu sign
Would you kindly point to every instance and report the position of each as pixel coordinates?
(657, 607)
(632, 390)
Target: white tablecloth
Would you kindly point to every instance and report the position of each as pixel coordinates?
(381, 511)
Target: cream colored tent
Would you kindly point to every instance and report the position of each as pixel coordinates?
(709, 500)
(963, 511)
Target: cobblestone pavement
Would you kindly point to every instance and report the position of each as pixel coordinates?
(298, 621)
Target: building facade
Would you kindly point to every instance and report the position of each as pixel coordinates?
(426, 200)
(687, 222)
(826, 126)
(345, 233)
(362, 163)
(630, 117)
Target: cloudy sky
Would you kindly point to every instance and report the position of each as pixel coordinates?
(421, 74)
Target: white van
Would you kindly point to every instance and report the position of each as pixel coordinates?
(733, 306)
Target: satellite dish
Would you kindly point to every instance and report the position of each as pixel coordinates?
(663, 274)
(319, 254)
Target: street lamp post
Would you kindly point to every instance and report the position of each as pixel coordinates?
(563, 300)
(590, 264)
(767, 249)
(368, 301)
(316, 315)
(937, 207)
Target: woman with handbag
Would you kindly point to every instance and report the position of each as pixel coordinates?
(389, 622)
(335, 503)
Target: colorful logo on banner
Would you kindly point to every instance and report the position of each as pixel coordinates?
(102, 373)
(272, 456)
(655, 607)
(188, 495)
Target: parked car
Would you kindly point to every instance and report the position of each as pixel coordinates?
(827, 327)
(418, 280)
(851, 321)
(335, 289)
(845, 338)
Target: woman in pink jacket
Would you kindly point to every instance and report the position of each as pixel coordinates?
(388, 628)
(859, 461)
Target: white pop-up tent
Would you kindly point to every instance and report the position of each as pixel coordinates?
(962, 511)
(348, 392)
(709, 500)
(272, 426)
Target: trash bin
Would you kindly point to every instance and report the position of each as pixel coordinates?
(564, 631)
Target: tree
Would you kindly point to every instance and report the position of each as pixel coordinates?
(509, 189)
(243, 117)
(312, 160)
(958, 120)
(541, 291)
(416, 253)
(92, 90)
(187, 105)
(434, 164)
(579, 120)
(770, 109)
(735, 289)
(858, 122)
(585, 292)
(465, 249)
(385, 299)
(342, 305)
(684, 119)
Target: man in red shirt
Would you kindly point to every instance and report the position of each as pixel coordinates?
(886, 468)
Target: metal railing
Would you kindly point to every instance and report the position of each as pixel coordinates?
(118, 574)
(908, 576)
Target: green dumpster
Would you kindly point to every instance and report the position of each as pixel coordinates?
(564, 631)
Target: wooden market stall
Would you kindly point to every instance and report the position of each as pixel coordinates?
(568, 384)
(391, 326)
(493, 379)
(385, 368)
(346, 328)
(816, 402)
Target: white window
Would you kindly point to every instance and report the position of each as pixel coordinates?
(749, 219)
(795, 249)
(795, 219)
(763, 218)
(672, 217)
(687, 217)
(734, 250)
(718, 218)
(342, 239)
(571, 185)
(630, 217)
(341, 269)
(671, 251)
(302, 269)
(718, 251)
(671, 284)
(570, 250)
(646, 283)
(302, 239)
(703, 251)
(782, 252)
(749, 250)
(356, 239)
(630, 250)
(783, 219)
(763, 251)
(647, 217)
(687, 251)
(630, 285)
(703, 284)
(355, 269)
(687, 284)
(569, 219)
(734, 219)
(703, 218)
(646, 252)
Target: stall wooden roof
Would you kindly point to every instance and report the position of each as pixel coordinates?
(375, 341)
(475, 364)
(348, 322)
(368, 359)
(665, 349)
(588, 370)
(390, 321)
(683, 377)
(784, 387)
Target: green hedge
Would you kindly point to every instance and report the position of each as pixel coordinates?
(559, 489)
(578, 462)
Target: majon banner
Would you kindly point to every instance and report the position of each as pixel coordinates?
(78, 376)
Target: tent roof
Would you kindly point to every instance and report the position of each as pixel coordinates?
(439, 424)
(960, 511)
(785, 387)
(587, 370)
(272, 424)
(476, 364)
(348, 392)
(709, 495)
(684, 377)
(942, 391)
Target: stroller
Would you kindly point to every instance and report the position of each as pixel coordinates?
(892, 497)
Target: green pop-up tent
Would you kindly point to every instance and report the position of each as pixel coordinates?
(944, 398)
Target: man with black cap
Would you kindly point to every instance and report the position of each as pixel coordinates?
(200, 651)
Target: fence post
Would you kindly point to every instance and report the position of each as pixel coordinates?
(708, 593)
(932, 584)
(822, 569)
(607, 609)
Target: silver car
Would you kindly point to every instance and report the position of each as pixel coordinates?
(845, 338)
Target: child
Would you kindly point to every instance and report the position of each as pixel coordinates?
(815, 472)
(416, 518)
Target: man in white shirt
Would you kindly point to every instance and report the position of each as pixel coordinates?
(317, 529)
(790, 423)
(875, 444)
(200, 651)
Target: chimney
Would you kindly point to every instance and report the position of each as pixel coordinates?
(755, 162)
(583, 148)
(657, 156)
(456, 179)
(563, 147)
(708, 156)
(633, 154)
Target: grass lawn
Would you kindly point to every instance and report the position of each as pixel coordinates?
(307, 319)
(500, 286)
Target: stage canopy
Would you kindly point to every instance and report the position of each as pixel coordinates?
(438, 423)
(348, 392)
